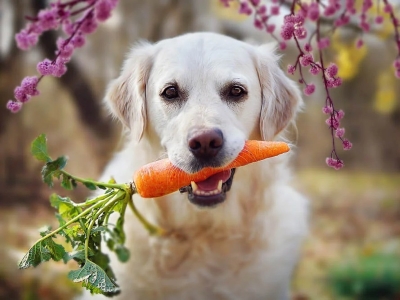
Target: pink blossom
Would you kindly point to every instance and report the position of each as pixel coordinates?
(396, 63)
(339, 133)
(379, 20)
(89, 24)
(333, 82)
(291, 69)
(275, 10)
(29, 84)
(21, 95)
(365, 26)
(26, 39)
(262, 10)
(270, 28)
(258, 24)
(255, 2)
(334, 163)
(309, 89)
(347, 145)
(388, 8)
(245, 8)
(329, 11)
(59, 68)
(45, 67)
(282, 46)
(327, 110)
(78, 40)
(287, 30)
(103, 9)
(359, 43)
(332, 122)
(332, 70)
(48, 19)
(340, 114)
(307, 47)
(300, 32)
(13, 106)
(306, 59)
(323, 43)
(65, 49)
(313, 11)
(315, 69)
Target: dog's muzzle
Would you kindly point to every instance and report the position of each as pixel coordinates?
(210, 192)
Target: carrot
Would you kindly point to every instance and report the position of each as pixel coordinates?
(161, 177)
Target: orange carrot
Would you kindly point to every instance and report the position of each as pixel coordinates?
(161, 177)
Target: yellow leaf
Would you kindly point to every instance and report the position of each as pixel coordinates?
(385, 96)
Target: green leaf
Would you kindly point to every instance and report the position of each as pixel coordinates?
(90, 185)
(94, 278)
(57, 251)
(66, 207)
(66, 182)
(35, 256)
(39, 148)
(51, 169)
(122, 253)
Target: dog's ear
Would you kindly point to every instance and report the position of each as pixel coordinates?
(126, 95)
(281, 97)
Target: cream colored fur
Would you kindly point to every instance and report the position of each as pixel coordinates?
(246, 247)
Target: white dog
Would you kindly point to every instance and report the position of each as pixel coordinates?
(196, 98)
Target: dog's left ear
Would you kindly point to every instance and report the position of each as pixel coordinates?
(126, 95)
(281, 98)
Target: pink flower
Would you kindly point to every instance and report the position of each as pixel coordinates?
(300, 32)
(315, 69)
(329, 10)
(334, 163)
(327, 110)
(21, 95)
(78, 41)
(307, 47)
(13, 106)
(89, 24)
(332, 122)
(65, 49)
(340, 114)
(48, 19)
(270, 28)
(282, 46)
(309, 89)
(103, 10)
(333, 82)
(60, 68)
(332, 70)
(306, 59)
(347, 145)
(262, 9)
(365, 26)
(245, 8)
(45, 67)
(291, 69)
(387, 8)
(339, 133)
(359, 43)
(313, 11)
(29, 84)
(258, 24)
(379, 20)
(26, 39)
(287, 30)
(323, 43)
(275, 10)
(255, 2)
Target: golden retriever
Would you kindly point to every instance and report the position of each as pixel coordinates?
(195, 99)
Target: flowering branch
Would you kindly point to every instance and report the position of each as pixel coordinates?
(76, 21)
(304, 15)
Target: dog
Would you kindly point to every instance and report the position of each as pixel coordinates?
(196, 99)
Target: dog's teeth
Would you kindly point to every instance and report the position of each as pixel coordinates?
(219, 188)
(194, 186)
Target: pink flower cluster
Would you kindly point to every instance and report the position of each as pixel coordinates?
(76, 21)
(302, 26)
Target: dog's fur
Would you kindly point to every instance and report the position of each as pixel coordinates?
(245, 247)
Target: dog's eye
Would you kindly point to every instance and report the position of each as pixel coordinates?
(237, 91)
(170, 93)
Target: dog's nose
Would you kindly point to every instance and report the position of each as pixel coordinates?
(205, 143)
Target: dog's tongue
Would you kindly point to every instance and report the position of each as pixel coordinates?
(211, 183)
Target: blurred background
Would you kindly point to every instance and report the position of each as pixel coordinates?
(353, 250)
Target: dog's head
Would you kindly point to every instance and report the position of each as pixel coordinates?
(202, 95)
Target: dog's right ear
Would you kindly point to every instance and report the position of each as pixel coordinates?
(126, 95)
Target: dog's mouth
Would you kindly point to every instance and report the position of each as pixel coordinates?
(210, 192)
